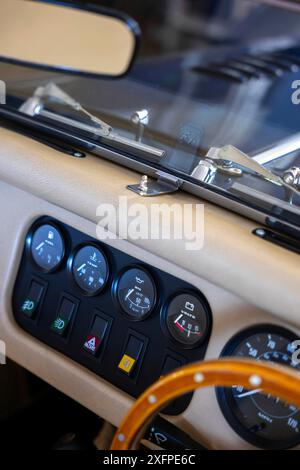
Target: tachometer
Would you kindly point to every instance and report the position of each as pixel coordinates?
(261, 419)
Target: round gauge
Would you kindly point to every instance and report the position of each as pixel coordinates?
(187, 319)
(47, 247)
(263, 420)
(136, 293)
(90, 269)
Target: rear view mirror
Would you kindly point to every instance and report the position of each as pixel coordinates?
(67, 38)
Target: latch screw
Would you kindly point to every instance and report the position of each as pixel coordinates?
(144, 184)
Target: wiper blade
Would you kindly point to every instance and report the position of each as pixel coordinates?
(35, 106)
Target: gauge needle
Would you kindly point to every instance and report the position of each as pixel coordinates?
(40, 245)
(81, 267)
(247, 394)
(178, 318)
(128, 293)
(179, 326)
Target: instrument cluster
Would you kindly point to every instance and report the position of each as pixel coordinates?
(131, 324)
(121, 318)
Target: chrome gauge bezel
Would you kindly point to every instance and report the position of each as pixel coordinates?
(225, 397)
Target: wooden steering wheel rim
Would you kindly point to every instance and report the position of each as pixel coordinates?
(279, 381)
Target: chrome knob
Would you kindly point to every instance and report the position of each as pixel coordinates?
(140, 119)
(292, 177)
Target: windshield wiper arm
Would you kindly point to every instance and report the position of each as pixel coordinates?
(233, 162)
(35, 105)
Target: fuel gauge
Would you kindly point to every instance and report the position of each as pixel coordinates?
(136, 293)
(47, 247)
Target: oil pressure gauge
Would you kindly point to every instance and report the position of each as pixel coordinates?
(136, 293)
(187, 319)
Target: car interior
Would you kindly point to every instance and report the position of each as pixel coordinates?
(150, 225)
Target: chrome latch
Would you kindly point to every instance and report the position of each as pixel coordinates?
(292, 177)
(164, 184)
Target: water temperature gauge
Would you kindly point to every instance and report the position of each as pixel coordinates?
(136, 293)
(90, 269)
(47, 247)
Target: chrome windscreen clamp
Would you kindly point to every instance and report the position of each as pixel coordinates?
(164, 184)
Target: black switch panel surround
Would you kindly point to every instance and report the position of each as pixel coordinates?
(158, 346)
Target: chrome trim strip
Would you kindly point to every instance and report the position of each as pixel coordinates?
(211, 194)
(282, 148)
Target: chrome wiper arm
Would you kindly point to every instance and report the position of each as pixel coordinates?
(233, 162)
(35, 105)
(52, 93)
(231, 157)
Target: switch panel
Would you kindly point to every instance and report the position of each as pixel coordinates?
(108, 311)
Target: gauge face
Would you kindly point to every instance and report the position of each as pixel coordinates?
(47, 247)
(263, 420)
(187, 319)
(136, 293)
(90, 269)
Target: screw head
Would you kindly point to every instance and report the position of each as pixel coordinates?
(260, 232)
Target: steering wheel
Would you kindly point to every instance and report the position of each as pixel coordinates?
(279, 381)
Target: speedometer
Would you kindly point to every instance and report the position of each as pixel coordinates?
(262, 420)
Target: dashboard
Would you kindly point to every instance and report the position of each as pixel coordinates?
(132, 324)
(49, 255)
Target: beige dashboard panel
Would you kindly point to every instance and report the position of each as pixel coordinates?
(202, 419)
(231, 257)
(35, 181)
